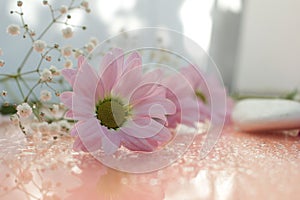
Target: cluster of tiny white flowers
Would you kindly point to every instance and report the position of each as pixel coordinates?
(45, 95)
(54, 70)
(46, 76)
(13, 29)
(91, 44)
(43, 127)
(67, 32)
(44, 111)
(66, 51)
(64, 125)
(39, 46)
(24, 110)
(53, 128)
(54, 109)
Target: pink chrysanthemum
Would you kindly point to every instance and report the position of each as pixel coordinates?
(120, 105)
(198, 99)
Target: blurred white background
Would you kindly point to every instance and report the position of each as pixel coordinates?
(253, 42)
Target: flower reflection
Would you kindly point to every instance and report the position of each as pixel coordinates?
(100, 182)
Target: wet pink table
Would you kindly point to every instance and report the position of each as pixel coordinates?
(241, 166)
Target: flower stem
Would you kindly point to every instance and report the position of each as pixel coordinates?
(31, 90)
(25, 59)
(19, 87)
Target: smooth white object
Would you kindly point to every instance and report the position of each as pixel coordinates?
(266, 114)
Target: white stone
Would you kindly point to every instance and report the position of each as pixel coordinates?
(266, 115)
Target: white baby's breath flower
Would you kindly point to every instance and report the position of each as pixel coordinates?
(89, 47)
(78, 53)
(54, 109)
(64, 126)
(2, 63)
(66, 51)
(54, 70)
(1, 52)
(43, 127)
(67, 32)
(14, 119)
(4, 93)
(13, 29)
(46, 76)
(94, 40)
(45, 95)
(54, 127)
(39, 46)
(24, 110)
(68, 64)
(63, 9)
(85, 4)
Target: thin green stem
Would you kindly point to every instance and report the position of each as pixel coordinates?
(49, 86)
(25, 59)
(28, 87)
(46, 29)
(25, 26)
(8, 75)
(31, 90)
(29, 72)
(19, 87)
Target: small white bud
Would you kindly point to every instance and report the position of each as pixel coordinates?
(39, 46)
(67, 32)
(13, 29)
(45, 95)
(66, 51)
(63, 9)
(68, 64)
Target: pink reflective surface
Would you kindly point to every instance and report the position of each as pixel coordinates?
(241, 166)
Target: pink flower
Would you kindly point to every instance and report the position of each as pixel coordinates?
(120, 105)
(205, 88)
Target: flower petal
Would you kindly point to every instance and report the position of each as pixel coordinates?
(153, 106)
(142, 127)
(86, 78)
(147, 144)
(69, 114)
(127, 83)
(69, 75)
(109, 72)
(100, 92)
(96, 137)
(79, 146)
(83, 107)
(66, 98)
(133, 60)
(119, 56)
(146, 91)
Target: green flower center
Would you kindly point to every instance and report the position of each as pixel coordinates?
(201, 96)
(111, 113)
